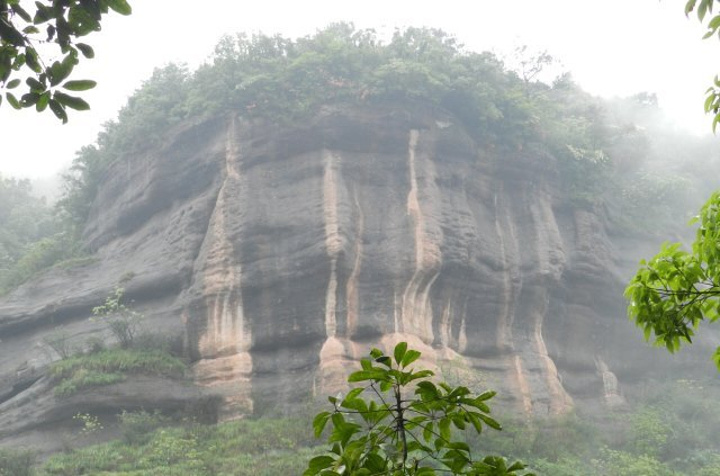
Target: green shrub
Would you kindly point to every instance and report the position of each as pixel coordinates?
(622, 463)
(83, 378)
(264, 447)
(137, 427)
(16, 462)
(111, 366)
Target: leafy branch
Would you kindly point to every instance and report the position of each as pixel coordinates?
(63, 22)
(403, 435)
(674, 291)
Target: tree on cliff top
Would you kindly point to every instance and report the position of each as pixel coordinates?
(23, 45)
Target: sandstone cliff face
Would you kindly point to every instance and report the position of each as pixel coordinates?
(278, 256)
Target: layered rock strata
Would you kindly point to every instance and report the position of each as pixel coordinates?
(276, 257)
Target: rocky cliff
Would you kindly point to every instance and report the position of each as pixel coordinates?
(277, 256)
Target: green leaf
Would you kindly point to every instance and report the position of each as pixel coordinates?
(120, 6)
(43, 13)
(29, 99)
(319, 463)
(60, 70)
(410, 357)
(428, 431)
(362, 375)
(71, 101)
(82, 20)
(10, 35)
(58, 110)
(485, 396)
(13, 84)
(354, 393)
(13, 100)
(86, 50)
(319, 423)
(421, 374)
(35, 85)
(21, 13)
(444, 427)
(32, 60)
(399, 353)
(365, 364)
(80, 85)
(375, 463)
(384, 360)
(42, 102)
(490, 422)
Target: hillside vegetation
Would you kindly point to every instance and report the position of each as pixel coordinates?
(624, 149)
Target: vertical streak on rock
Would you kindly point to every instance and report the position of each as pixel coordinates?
(352, 291)
(225, 361)
(336, 351)
(413, 207)
(550, 258)
(523, 385)
(416, 317)
(462, 336)
(333, 243)
(504, 323)
(396, 313)
(445, 324)
(560, 401)
(611, 387)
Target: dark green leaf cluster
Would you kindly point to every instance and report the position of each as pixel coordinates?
(62, 23)
(673, 292)
(392, 433)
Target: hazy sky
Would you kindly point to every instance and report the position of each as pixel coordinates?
(612, 48)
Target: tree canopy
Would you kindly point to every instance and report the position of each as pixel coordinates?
(284, 81)
(29, 37)
(676, 290)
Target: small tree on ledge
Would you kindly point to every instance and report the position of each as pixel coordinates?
(390, 433)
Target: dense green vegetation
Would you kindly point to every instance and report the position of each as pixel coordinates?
(109, 366)
(671, 432)
(283, 81)
(267, 447)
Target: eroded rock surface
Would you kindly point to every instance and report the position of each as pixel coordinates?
(278, 256)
